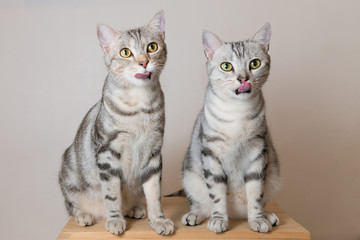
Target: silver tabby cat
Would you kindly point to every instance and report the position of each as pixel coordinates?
(231, 168)
(115, 160)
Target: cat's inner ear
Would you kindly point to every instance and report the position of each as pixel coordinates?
(157, 24)
(106, 35)
(262, 36)
(211, 42)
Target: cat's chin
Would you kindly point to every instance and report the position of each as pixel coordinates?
(242, 95)
(142, 81)
(237, 92)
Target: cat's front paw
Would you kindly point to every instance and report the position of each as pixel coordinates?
(84, 219)
(191, 219)
(260, 225)
(116, 226)
(218, 225)
(162, 226)
(272, 218)
(136, 212)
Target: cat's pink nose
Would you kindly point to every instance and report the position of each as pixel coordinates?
(144, 63)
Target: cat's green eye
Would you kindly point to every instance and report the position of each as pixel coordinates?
(254, 64)
(226, 66)
(152, 47)
(125, 53)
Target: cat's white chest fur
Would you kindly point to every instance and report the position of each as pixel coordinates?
(230, 119)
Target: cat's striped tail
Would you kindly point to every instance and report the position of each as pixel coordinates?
(180, 193)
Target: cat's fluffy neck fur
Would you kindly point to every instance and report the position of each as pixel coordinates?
(132, 96)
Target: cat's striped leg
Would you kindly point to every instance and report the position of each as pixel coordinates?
(254, 185)
(110, 173)
(216, 182)
(151, 180)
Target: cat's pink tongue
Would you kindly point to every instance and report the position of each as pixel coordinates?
(142, 75)
(245, 87)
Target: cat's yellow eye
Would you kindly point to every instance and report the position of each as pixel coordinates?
(226, 66)
(125, 53)
(152, 47)
(254, 64)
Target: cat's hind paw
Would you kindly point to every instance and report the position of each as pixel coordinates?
(84, 219)
(162, 226)
(116, 226)
(260, 224)
(218, 225)
(136, 212)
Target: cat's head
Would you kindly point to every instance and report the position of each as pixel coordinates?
(136, 56)
(238, 69)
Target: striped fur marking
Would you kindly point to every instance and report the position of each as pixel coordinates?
(207, 173)
(213, 138)
(254, 176)
(211, 112)
(103, 166)
(145, 176)
(117, 110)
(220, 178)
(107, 197)
(207, 152)
(155, 154)
(104, 177)
(115, 173)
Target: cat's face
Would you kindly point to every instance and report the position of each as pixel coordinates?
(238, 69)
(137, 56)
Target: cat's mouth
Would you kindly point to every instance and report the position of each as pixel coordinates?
(245, 87)
(146, 75)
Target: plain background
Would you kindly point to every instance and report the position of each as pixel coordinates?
(52, 72)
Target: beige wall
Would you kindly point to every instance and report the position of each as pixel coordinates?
(52, 72)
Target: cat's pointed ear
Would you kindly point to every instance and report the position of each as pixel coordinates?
(157, 24)
(105, 34)
(211, 42)
(262, 35)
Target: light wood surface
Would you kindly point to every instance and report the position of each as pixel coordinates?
(174, 208)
